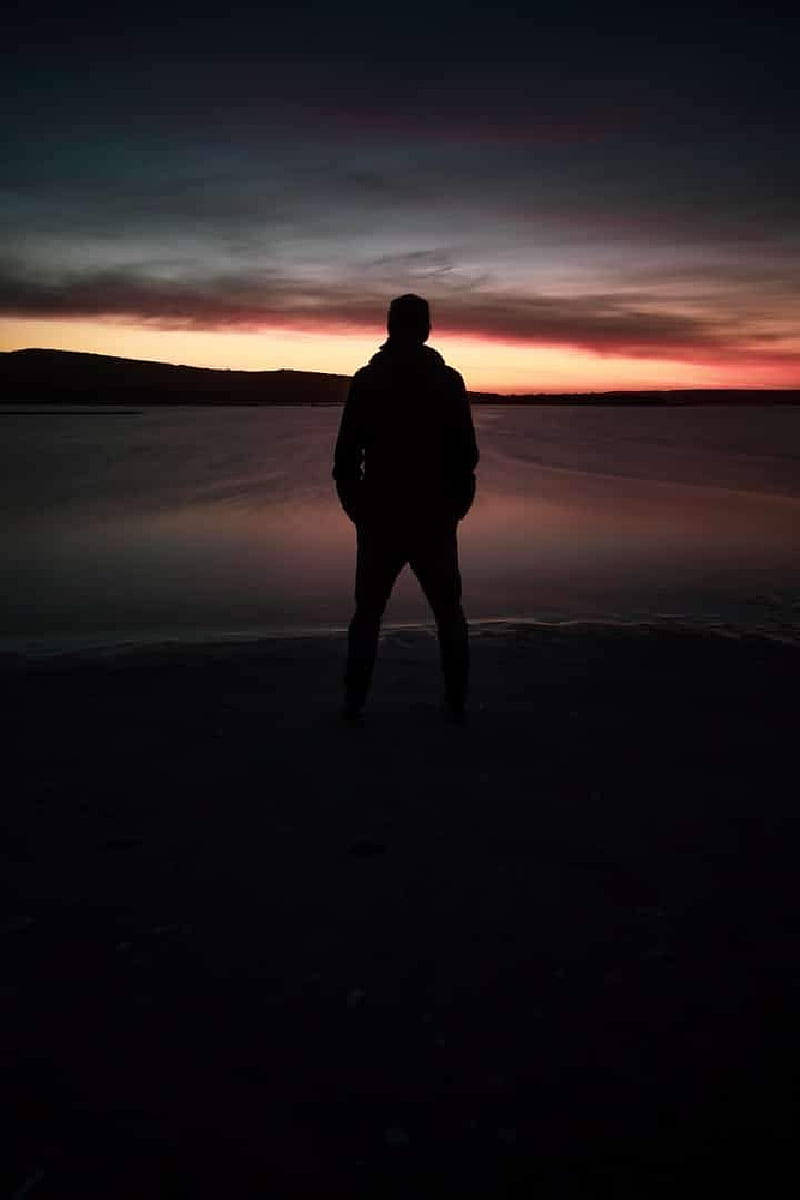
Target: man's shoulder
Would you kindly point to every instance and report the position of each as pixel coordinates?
(447, 374)
(383, 369)
(359, 383)
(453, 376)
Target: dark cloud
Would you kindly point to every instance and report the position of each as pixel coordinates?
(634, 324)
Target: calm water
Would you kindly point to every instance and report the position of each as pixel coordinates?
(176, 522)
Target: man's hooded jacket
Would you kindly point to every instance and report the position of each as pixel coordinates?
(406, 450)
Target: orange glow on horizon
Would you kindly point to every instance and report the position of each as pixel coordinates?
(486, 364)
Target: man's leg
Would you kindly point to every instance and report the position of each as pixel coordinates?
(379, 561)
(434, 561)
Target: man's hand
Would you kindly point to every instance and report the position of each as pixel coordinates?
(350, 499)
(464, 497)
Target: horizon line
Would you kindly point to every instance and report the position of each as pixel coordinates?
(338, 375)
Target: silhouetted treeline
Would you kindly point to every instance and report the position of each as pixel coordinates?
(66, 377)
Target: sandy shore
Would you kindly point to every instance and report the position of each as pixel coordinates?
(251, 952)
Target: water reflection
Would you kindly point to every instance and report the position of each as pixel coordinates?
(217, 521)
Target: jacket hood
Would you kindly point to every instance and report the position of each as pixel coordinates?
(417, 354)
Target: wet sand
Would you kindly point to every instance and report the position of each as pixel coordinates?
(249, 951)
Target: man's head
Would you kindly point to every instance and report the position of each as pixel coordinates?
(409, 318)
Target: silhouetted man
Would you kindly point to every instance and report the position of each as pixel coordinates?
(405, 475)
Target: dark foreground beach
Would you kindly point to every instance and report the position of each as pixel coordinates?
(249, 951)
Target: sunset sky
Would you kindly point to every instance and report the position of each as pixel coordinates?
(590, 196)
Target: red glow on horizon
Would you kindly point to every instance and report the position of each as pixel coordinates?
(488, 363)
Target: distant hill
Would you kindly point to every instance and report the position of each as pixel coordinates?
(66, 377)
(63, 376)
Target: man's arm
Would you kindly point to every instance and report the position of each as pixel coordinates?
(349, 453)
(464, 451)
